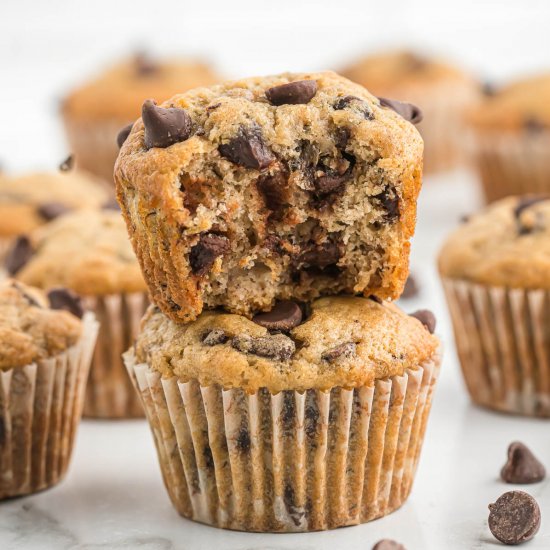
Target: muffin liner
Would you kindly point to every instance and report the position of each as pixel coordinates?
(503, 343)
(287, 462)
(513, 164)
(109, 393)
(40, 409)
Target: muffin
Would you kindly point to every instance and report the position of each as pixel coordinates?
(263, 189)
(443, 92)
(496, 275)
(95, 113)
(45, 355)
(511, 130)
(287, 422)
(31, 200)
(89, 253)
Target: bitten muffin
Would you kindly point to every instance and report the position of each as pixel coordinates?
(296, 420)
(512, 138)
(95, 113)
(281, 187)
(89, 252)
(45, 354)
(496, 274)
(443, 92)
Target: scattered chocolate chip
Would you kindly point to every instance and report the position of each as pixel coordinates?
(533, 125)
(408, 111)
(522, 465)
(514, 518)
(214, 337)
(144, 65)
(293, 93)
(277, 346)
(375, 299)
(110, 204)
(19, 254)
(355, 103)
(123, 134)
(274, 189)
(203, 255)
(248, 149)
(387, 544)
(51, 210)
(319, 255)
(164, 127)
(284, 316)
(67, 164)
(390, 201)
(342, 351)
(243, 440)
(426, 317)
(63, 298)
(411, 289)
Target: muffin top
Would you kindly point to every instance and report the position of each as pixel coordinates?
(33, 199)
(87, 251)
(507, 244)
(522, 105)
(30, 329)
(345, 341)
(119, 92)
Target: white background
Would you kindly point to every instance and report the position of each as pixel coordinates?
(113, 496)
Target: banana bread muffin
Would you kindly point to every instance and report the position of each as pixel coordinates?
(300, 419)
(280, 187)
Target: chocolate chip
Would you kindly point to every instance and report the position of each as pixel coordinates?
(533, 125)
(522, 465)
(411, 289)
(144, 65)
(65, 299)
(375, 299)
(319, 255)
(354, 103)
(164, 127)
(276, 346)
(527, 202)
(514, 518)
(426, 317)
(342, 351)
(408, 111)
(248, 149)
(67, 164)
(274, 189)
(293, 93)
(390, 201)
(284, 316)
(388, 544)
(215, 337)
(19, 254)
(123, 134)
(341, 137)
(330, 183)
(51, 210)
(204, 253)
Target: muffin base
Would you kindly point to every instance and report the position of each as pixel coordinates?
(290, 462)
(40, 409)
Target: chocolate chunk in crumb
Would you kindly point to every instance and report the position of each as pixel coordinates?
(123, 134)
(204, 253)
(342, 351)
(215, 337)
(274, 189)
(51, 210)
(293, 93)
(522, 466)
(330, 183)
(284, 316)
(277, 346)
(390, 201)
(514, 518)
(408, 111)
(19, 254)
(319, 255)
(248, 149)
(354, 103)
(388, 544)
(164, 127)
(67, 164)
(426, 317)
(63, 298)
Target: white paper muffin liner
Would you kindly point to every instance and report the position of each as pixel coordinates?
(503, 343)
(288, 462)
(109, 393)
(40, 409)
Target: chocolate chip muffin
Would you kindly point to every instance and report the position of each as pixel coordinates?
(95, 113)
(443, 92)
(255, 420)
(495, 271)
(89, 252)
(281, 187)
(45, 352)
(511, 130)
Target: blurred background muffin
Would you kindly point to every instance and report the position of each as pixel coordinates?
(441, 90)
(95, 113)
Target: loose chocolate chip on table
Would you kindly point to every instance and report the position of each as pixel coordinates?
(123, 134)
(293, 93)
(51, 210)
(164, 127)
(277, 346)
(342, 351)
(65, 299)
(387, 544)
(285, 315)
(67, 164)
(514, 518)
(411, 289)
(426, 317)
(214, 337)
(19, 254)
(522, 465)
(204, 253)
(408, 111)
(248, 149)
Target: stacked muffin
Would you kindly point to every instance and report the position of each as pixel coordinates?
(271, 218)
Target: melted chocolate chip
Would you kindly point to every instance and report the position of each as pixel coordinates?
(164, 127)
(274, 189)
(408, 111)
(284, 316)
(319, 255)
(123, 134)
(341, 137)
(356, 103)
(277, 346)
(67, 164)
(293, 93)
(203, 255)
(388, 544)
(65, 299)
(522, 465)
(426, 317)
(342, 351)
(18, 256)
(215, 337)
(51, 210)
(248, 149)
(390, 201)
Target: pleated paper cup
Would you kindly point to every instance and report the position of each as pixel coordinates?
(288, 462)
(110, 393)
(40, 409)
(503, 342)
